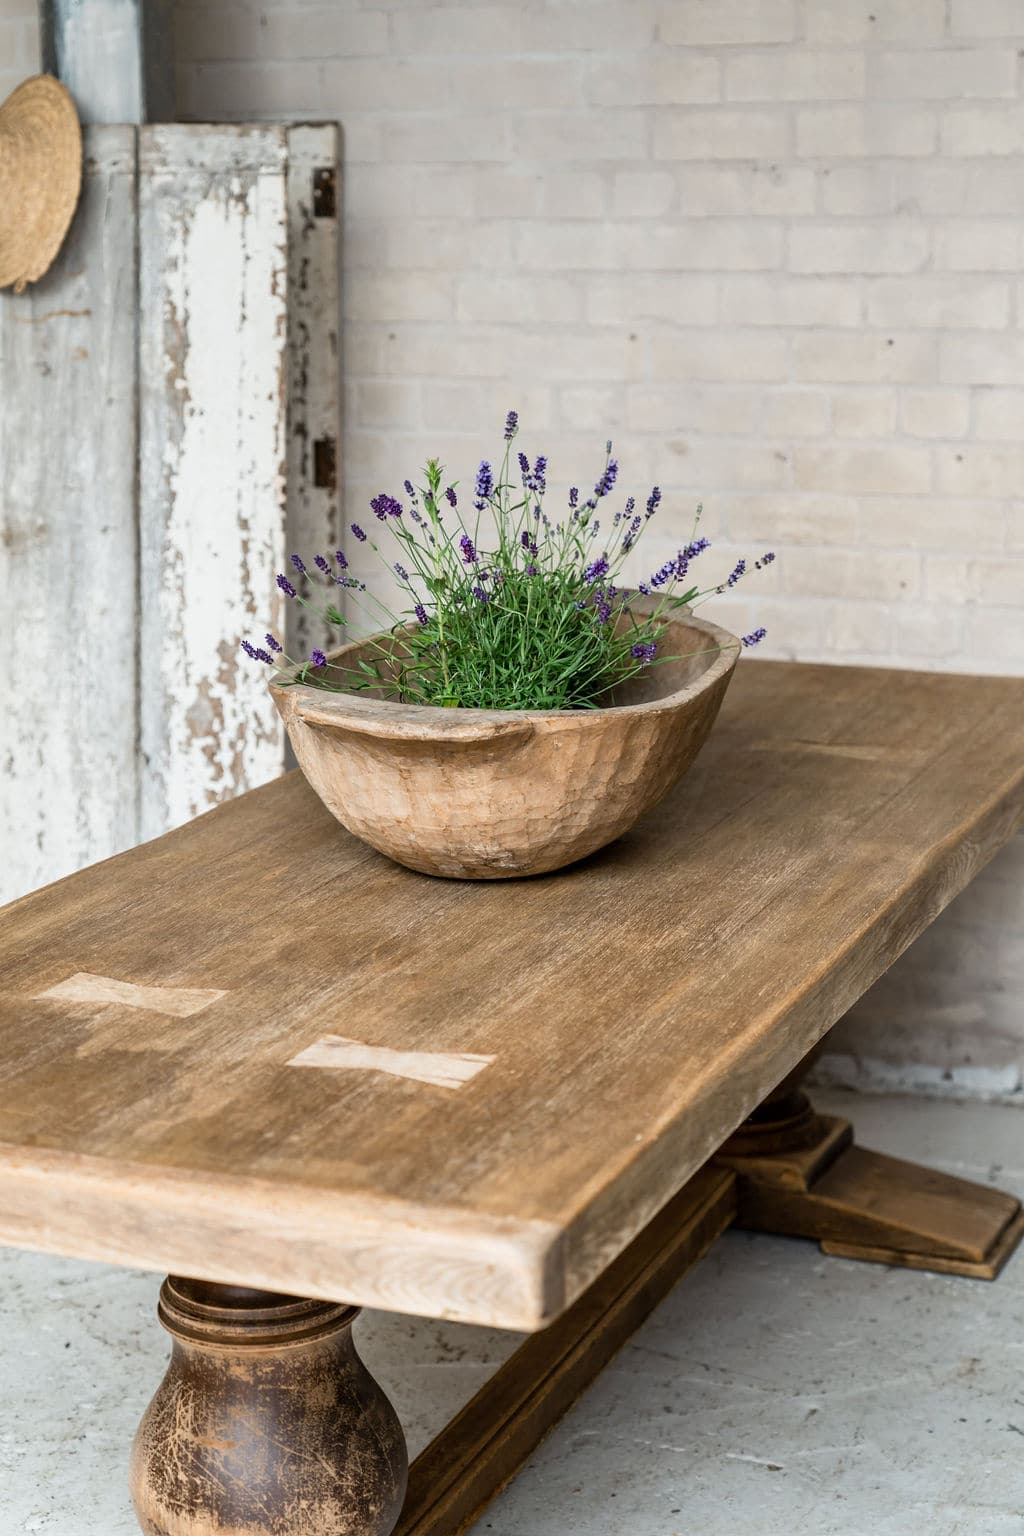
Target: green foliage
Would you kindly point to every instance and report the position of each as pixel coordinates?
(538, 620)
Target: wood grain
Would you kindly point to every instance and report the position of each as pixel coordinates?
(266, 1423)
(638, 1007)
(68, 551)
(180, 1002)
(485, 794)
(137, 552)
(336, 1054)
(477, 1453)
(213, 254)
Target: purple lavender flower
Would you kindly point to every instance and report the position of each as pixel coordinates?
(317, 657)
(670, 571)
(385, 506)
(360, 535)
(339, 555)
(257, 653)
(737, 571)
(644, 589)
(764, 560)
(524, 465)
(696, 548)
(531, 570)
(540, 469)
(644, 651)
(480, 595)
(484, 484)
(401, 572)
(410, 490)
(755, 637)
(421, 614)
(511, 425)
(607, 480)
(298, 565)
(574, 495)
(320, 563)
(602, 610)
(596, 570)
(453, 500)
(274, 644)
(469, 553)
(285, 585)
(653, 499)
(629, 537)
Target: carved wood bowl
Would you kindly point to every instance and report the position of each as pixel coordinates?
(479, 794)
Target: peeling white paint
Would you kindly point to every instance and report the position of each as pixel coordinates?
(144, 448)
(68, 612)
(213, 265)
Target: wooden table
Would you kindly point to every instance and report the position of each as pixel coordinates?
(256, 1054)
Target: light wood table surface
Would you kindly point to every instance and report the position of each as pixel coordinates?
(254, 1053)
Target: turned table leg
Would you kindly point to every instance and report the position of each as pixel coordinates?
(800, 1173)
(267, 1423)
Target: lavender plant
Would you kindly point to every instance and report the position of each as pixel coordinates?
(540, 619)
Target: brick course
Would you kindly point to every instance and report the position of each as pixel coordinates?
(774, 249)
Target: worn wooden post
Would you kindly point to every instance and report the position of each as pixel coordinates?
(267, 1423)
(169, 430)
(69, 780)
(213, 257)
(116, 57)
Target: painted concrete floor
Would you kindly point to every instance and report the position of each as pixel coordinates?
(774, 1391)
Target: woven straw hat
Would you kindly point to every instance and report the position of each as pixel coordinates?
(40, 175)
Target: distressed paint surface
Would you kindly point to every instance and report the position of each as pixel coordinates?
(312, 511)
(440, 1069)
(213, 286)
(147, 717)
(68, 775)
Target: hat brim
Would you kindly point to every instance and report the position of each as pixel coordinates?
(40, 177)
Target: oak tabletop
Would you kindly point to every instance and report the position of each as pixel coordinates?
(256, 1051)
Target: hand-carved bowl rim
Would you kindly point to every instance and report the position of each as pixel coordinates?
(388, 718)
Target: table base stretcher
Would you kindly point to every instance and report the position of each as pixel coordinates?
(262, 1386)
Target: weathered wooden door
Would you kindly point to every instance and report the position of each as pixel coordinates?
(168, 422)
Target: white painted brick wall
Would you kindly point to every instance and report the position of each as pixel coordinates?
(19, 43)
(775, 248)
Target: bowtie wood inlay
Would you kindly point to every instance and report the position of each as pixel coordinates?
(435, 1067)
(180, 1002)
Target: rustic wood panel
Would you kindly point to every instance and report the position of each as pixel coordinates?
(637, 1006)
(212, 256)
(68, 546)
(314, 470)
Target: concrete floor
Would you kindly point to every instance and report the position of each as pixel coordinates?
(774, 1391)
